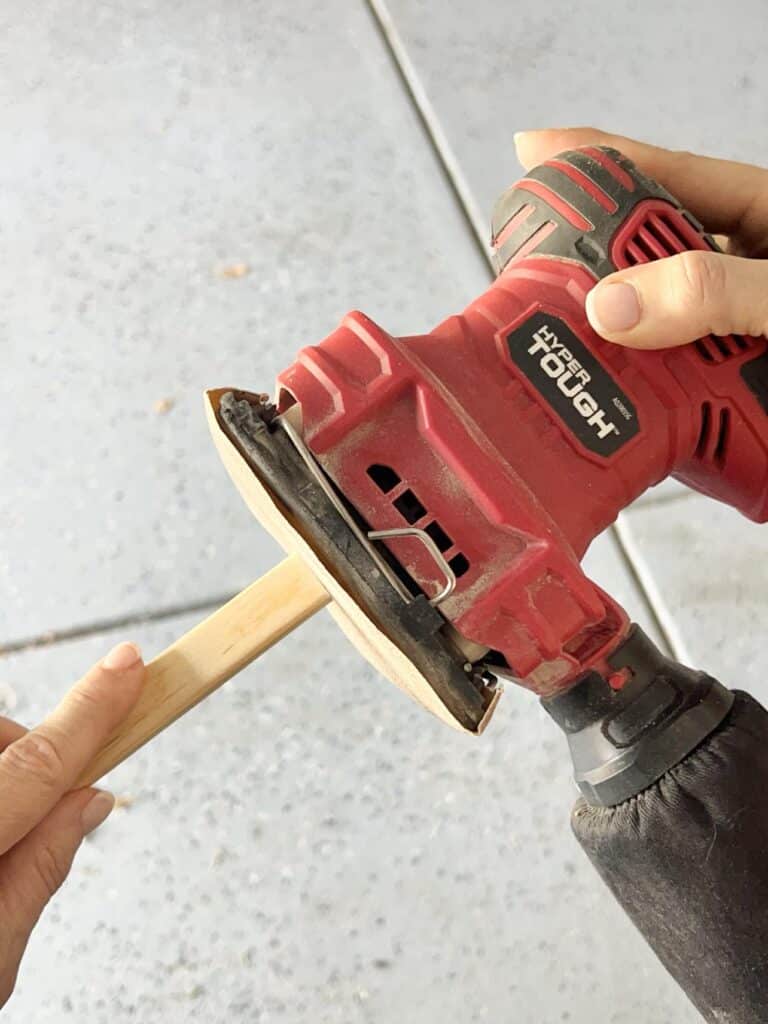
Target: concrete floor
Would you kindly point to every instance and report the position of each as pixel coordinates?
(307, 845)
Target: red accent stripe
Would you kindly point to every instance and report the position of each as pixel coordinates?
(637, 255)
(585, 183)
(538, 236)
(556, 202)
(513, 224)
(674, 241)
(611, 166)
(651, 242)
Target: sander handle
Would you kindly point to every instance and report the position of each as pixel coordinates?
(211, 653)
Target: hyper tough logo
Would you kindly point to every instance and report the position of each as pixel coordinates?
(573, 383)
(572, 379)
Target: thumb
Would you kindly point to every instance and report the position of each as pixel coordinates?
(35, 868)
(681, 298)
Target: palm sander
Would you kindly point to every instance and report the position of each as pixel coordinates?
(439, 491)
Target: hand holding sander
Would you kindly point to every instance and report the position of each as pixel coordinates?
(439, 492)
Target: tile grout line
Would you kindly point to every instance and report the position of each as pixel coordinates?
(449, 165)
(56, 636)
(474, 219)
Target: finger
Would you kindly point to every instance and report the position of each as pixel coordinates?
(727, 197)
(681, 298)
(44, 764)
(35, 869)
(9, 731)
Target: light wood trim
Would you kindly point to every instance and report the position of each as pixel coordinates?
(207, 656)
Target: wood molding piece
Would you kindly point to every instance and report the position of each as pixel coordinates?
(207, 656)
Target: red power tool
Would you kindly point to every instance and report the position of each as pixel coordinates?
(440, 491)
(476, 463)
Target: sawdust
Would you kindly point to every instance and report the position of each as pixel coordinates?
(8, 698)
(163, 406)
(124, 801)
(220, 856)
(235, 270)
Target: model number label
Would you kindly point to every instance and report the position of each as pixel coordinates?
(573, 383)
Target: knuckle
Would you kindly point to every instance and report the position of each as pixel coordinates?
(51, 869)
(34, 757)
(701, 278)
(86, 699)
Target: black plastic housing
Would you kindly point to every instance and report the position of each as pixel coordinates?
(623, 740)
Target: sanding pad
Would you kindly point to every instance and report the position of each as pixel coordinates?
(404, 640)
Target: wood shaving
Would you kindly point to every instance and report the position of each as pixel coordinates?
(221, 855)
(235, 270)
(163, 405)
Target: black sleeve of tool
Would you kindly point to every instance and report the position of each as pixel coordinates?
(688, 860)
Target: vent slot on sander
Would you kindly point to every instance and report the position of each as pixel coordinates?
(413, 512)
(714, 435)
(468, 691)
(659, 234)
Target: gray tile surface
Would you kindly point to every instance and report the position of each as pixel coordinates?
(709, 568)
(682, 75)
(309, 846)
(146, 150)
(306, 845)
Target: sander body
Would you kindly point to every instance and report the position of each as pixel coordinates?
(474, 465)
(440, 490)
(512, 435)
(438, 493)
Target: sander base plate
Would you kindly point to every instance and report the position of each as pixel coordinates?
(404, 640)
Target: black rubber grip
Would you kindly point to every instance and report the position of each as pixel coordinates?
(623, 740)
(588, 244)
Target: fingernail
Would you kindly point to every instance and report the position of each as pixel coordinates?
(539, 131)
(518, 137)
(96, 811)
(613, 307)
(122, 657)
